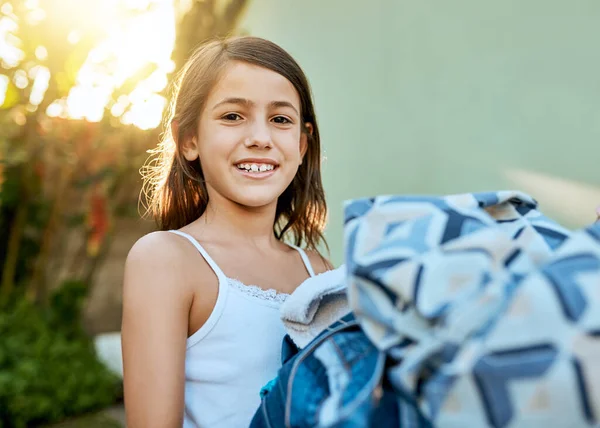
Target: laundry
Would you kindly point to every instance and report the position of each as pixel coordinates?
(488, 311)
(316, 304)
(470, 310)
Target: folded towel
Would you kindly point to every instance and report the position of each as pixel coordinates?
(316, 304)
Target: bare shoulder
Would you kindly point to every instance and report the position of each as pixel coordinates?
(165, 260)
(157, 261)
(319, 263)
(156, 250)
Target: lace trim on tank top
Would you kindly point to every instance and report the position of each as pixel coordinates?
(269, 295)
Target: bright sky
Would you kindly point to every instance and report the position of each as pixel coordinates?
(133, 41)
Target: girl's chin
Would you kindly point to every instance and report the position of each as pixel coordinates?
(254, 199)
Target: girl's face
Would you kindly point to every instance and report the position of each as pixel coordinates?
(249, 136)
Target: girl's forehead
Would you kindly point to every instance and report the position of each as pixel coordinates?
(258, 84)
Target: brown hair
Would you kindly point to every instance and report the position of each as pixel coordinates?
(175, 187)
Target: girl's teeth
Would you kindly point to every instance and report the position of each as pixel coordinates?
(256, 167)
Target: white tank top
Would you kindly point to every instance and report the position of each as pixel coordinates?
(235, 353)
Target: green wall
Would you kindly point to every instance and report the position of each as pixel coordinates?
(443, 97)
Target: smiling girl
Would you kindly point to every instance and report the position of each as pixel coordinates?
(238, 177)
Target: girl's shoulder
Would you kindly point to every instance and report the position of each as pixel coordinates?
(167, 256)
(319, 263)
(157, 247)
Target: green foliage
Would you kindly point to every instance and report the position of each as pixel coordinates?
(37, 214)
(48, 366)
(97, 420)
(11, 97)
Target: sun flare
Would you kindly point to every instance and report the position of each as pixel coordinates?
(131, 58)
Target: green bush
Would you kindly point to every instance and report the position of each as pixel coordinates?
(48, 365)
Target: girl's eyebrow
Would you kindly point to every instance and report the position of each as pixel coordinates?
(247, 103)
(275, 104)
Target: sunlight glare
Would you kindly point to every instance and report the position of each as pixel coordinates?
(41, 53)
(120, 106)
(20, 79)
(146, 114)
(572, 200)
(10, 54)
(6, 9)
(88, 103)
(56, 109)
(36, 16)
(137, 4)
(144, 38)
(4, 80)
(73, 37)
(41, 76)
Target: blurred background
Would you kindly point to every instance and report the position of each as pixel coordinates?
(413, 96)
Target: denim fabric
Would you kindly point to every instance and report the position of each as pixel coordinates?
(488, 311)
(336, 381)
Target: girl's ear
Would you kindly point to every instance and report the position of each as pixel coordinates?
(189, 145)
(308, 130)
(189, 148)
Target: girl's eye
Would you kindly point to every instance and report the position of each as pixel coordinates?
(232, 117)
(282, 120)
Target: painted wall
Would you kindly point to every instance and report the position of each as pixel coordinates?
(427, 96)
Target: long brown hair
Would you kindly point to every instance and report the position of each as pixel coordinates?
(175, 187)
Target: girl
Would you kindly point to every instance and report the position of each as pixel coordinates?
(238, 174)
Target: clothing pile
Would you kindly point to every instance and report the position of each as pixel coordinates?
(470, 310)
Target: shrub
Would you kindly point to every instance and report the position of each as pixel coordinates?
(48, 365)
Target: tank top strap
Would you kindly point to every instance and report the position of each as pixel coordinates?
(217, 270)
(305, 259)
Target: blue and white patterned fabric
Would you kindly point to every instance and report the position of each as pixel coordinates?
(488, 310)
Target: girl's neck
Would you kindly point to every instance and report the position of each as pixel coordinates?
(252, 226)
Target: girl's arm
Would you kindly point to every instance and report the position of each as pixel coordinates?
(156, 304)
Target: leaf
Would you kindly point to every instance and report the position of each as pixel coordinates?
(12, 96)
(63, 84)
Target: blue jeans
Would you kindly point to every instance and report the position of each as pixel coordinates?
(336, 381)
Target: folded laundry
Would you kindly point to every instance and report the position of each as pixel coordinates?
(470, 310)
